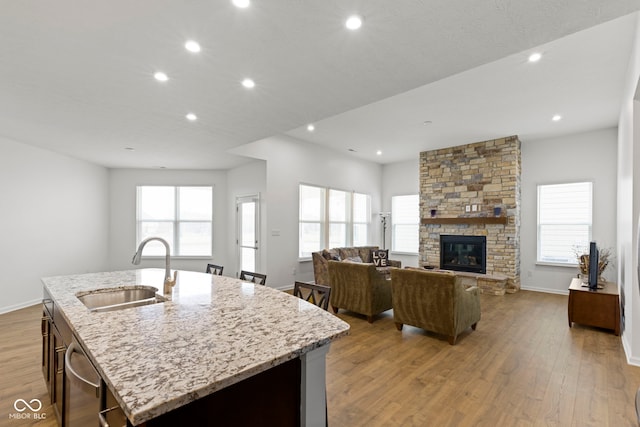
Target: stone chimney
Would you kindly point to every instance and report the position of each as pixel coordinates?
(485, 176)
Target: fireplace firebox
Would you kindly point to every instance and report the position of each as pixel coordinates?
(463, 253)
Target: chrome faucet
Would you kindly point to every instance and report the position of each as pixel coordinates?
(168, 281)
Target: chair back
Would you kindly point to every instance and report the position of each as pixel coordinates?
(214, 269)
(316, 294)
(249, 276)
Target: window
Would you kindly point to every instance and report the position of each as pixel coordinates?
(564, 221)
(312, 214)
(360, 219)
(405, 223)
(180, 215)
(331, 218)
(338, 218)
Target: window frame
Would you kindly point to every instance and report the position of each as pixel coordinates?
(571, 261)
(393, 224)
(325, 221)
(346, 221)
(176, 222)
(354, 222)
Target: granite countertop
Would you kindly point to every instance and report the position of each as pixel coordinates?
(216, 331)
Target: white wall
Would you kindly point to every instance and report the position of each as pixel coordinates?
(122, 236)
(400, 179)
(54, 220)
(246, 180)
(290, 162)
(628, 202)
(587, 156)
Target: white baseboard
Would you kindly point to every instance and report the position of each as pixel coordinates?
(635, 361)
(15, 307)
(545, 290)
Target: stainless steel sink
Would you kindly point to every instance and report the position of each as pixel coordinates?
(110, 299)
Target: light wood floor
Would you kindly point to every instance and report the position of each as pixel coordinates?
(20, 366)
(523, 366)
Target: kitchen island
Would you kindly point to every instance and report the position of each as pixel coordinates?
(213, 334)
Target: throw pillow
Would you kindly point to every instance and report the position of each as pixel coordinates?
(353, 259)
(334, 255)
(380, 258)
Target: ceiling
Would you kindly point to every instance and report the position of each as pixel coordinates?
(76, 76)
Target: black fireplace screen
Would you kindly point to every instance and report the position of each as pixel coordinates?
(463, 253)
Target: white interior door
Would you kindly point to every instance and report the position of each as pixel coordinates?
(247, 237)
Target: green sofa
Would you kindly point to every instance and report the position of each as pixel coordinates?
(321, 259)
(359, 287)
(436, 301)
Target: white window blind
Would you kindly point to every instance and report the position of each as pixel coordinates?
(564, 221)
(405, 223)
(311, 220)
(180, 215)
(338, 218)
(361, 217)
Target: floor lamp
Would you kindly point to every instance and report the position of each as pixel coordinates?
(383, 220)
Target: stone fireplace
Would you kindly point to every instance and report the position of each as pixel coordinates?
(473, 190)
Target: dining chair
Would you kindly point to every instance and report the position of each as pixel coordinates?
(214, 269)
(249, 276)
(315, 294)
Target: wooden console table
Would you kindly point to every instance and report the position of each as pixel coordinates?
(599, 308)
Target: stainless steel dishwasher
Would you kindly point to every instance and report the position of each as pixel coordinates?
(85, 393)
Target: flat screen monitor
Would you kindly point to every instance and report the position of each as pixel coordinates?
(593, 266)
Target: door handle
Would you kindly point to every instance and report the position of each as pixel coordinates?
(72, 372)
(43, 326)
(59, 367)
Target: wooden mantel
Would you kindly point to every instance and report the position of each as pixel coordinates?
(467, 220)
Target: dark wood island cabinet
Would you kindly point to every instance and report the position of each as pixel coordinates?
(213, 350)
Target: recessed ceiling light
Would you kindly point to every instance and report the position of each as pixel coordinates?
(192, 46)
(427, 122)
(248, 83)
(311, 127)
(191, 117)
(129, 148)
(556, 118)
(352, 150)
(160, 76)
(535, 57)
(353, 22)
(379, 153)
(241, 3)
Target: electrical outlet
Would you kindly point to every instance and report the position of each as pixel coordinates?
(467, 208)
(474, 208)
(293, 271)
